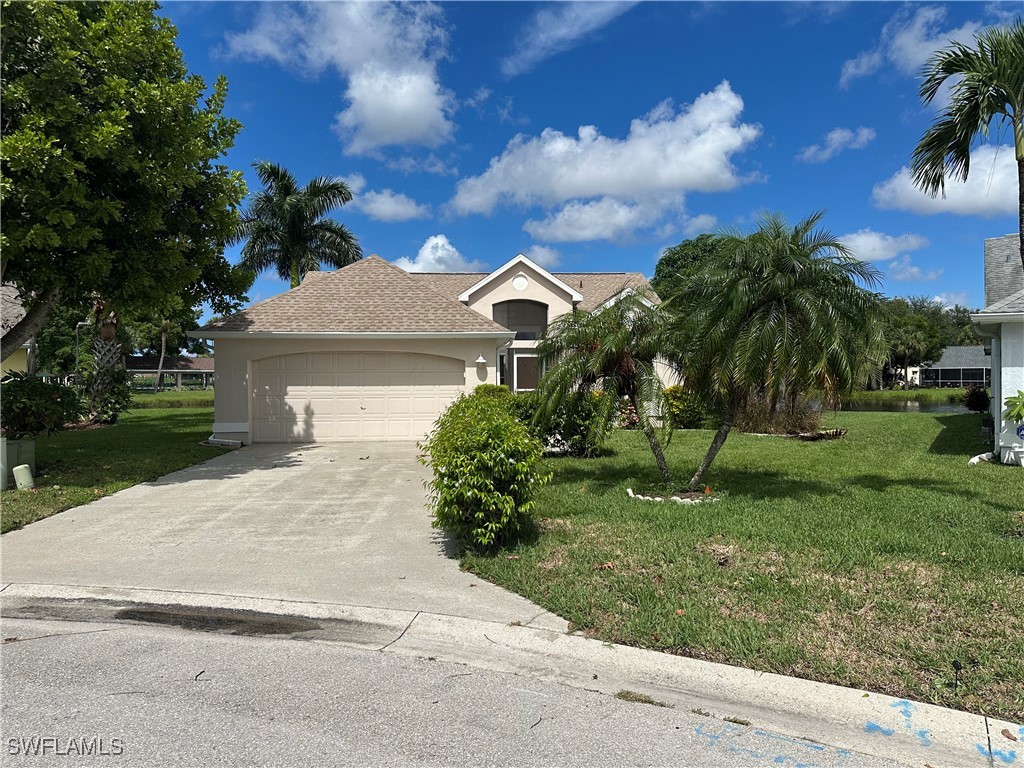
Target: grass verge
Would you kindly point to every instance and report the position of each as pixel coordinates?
(79, 466)
(186, 398)
(874, 561)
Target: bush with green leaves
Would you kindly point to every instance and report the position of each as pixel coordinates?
(573, 429)
(1015, 407)
(112, 394)
(486, 472)
(685, 409)
(30, 407)
(975, 398)
(493, 390)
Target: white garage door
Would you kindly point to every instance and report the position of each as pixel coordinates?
(350, 396)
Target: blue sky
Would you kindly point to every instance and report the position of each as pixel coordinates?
(590, 136)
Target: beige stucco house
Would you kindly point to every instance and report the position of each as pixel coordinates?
(371, 352)
(11, 312)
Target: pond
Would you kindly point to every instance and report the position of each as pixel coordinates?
(906, 406)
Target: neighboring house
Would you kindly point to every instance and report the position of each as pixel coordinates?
(11, 312)
(371, 352)
(958, 367)
(1001, 323)
(192, 370)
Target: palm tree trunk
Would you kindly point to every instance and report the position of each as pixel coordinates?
(716, 445)
(296, 277)
(652, 440)
(1020, 199)
(160, 365)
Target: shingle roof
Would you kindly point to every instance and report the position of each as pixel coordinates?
(11, 310)
(1012, 303)
(596, 287)
(963, 357)
(369, 296)
(1003, 275)
(172, 363)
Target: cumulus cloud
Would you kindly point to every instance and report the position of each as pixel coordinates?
(699, 224)
(543, 256)
(868, 245)
(387, 205)
(903, 269)
(950, 299)
(558, 28)
(387, 53)
(605, 187)
(437, 254)
(990, 189)
(836, 140)
(907, 40)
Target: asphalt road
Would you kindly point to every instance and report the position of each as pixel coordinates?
(155, 696)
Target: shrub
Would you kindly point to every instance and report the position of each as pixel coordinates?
(975, 398)
(485, 464)
(112, 394)
(573, 429)
(31, 407)
(759, 417)
(626, 416)
(685, 409)
(492, 390)
(1015, 407)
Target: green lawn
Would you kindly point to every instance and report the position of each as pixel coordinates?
(933, 395)
(187, 398)
(874, 561)
(76, 467)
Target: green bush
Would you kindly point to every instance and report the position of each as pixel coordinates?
(112, 394)
(686, 410)
(975, 398)
(29, 407)
(626, 416)
(485, 464)
(1015, 407)
(499, 391)
(573, 429)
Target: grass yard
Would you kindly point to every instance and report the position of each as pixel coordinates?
(874, 561)
(933, 396)
(186, 398)
(79, 466)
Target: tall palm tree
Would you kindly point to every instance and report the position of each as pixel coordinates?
(989, 87)
(775, 314)
(285, 229)
(611, 351)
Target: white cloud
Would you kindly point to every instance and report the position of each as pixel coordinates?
(907, 40)
(387, 52)
(479, 98)
(356, 182)
(437, 254)
(990, 189)
(903, 269)
(700, 224)
(836, 141)
(557, 28)
(868, 245)
(387, 205)
(429, 164)
(631, 181)
(543, 256)
(949, 299)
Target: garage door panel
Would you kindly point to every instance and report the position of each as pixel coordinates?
(351, 396)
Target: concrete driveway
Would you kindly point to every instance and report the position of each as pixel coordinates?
(331, 523)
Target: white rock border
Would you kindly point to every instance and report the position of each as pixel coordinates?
(676, 499)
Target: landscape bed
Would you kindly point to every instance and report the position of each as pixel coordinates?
(877, 561)
(82, 465)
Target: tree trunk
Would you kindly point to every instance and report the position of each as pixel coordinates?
(296, 277)
(652, 440)
(716, 446)
(160, 365)
(29, 325)
(1020, 194)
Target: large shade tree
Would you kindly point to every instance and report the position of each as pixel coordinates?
(775, 314)
(286, 230)
(610, 351)
(987, 88)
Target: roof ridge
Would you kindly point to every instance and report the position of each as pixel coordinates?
(462, 307)
(1005, 301)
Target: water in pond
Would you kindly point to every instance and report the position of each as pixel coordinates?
(906, 406)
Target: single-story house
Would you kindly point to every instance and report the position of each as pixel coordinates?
(372, 352)
(958, 367)
(1001, 324)
(182, 368)
(11, 312)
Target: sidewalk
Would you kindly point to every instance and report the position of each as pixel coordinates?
(805, 715)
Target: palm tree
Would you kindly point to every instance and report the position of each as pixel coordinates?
(285, 229)
(611, 351)
(775, 314)
(989, 87)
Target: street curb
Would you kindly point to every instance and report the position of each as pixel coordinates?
(809, 714)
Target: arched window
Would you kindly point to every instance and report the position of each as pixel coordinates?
(527, 318)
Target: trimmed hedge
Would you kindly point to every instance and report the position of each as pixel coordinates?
(573, 429)
(485, 464)
(32, 407)
(686, 410)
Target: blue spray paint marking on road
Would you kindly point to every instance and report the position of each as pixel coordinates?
(870, 727)
(906, 709)
(729, 736)
(1008, 756)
